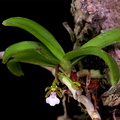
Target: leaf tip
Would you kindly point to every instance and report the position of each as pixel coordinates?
(4, 23)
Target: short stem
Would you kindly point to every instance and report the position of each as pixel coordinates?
(54, 82)
(66, 65)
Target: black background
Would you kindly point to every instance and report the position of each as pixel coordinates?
(23, 97)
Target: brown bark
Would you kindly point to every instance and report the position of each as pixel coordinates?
(91, 18)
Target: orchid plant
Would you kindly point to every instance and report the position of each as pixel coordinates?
(48, 53)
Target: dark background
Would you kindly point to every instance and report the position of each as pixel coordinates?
(23, 97)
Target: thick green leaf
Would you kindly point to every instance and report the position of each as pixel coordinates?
(24, 46)
(104, 39)
(39, 32)
(35, 58)
(82, 52)
(31, 57)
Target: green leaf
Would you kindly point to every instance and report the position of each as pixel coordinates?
(82, 52)
(15, 68)
(24, 46)
(28, 52)
(35, 58)
(39, 32)
(104, 39)
(31, 57)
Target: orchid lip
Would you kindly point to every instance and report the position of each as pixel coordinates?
(52, 99)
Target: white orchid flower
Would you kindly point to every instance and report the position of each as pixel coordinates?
(52, 99)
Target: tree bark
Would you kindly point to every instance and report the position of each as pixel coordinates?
(91, 18)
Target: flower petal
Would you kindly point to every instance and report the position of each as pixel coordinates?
(52, 99)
